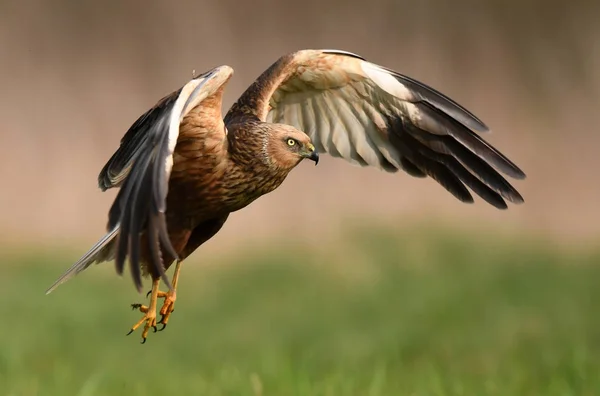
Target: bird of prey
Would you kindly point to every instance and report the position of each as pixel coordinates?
(182, 168)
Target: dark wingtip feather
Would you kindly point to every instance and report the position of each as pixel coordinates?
(447, 150)
(441, 101)
(517, 173)
(434, 169)
(486, 193)
(449, 181)
(431, 155)
(411, 168)
(438, 122)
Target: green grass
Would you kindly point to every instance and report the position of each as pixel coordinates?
(386, 314)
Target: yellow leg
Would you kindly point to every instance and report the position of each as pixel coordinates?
(149, 312)
(170, 297)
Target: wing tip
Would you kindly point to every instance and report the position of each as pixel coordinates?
(516, 198)
(479, 125)
(502, 206)
(518, 174)
(507, 167)
(443, 102)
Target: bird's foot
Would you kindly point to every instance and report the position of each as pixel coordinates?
(149, 320)
(168, 307)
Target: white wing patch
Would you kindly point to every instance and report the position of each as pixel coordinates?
(387, 82)
(345, 122)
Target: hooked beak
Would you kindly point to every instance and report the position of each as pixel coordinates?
(312, 154)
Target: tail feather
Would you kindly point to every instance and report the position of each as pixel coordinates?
(103, 250)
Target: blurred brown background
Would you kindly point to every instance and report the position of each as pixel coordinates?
(76, 74)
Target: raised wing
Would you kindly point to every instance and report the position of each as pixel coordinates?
(142, 167)
(119, 165)
(372, 116)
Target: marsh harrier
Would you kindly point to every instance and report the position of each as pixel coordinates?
(182, 169)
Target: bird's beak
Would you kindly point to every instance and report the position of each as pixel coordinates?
(312, 154)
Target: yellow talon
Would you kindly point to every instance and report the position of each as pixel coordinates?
(149, 313)
(167, 308)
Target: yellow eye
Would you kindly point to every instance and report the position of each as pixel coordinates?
(291, 142)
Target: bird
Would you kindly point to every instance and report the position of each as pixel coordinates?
(182, 168)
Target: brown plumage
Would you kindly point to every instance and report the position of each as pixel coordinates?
(182, 169)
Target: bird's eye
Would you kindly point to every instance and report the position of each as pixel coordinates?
(291, 142)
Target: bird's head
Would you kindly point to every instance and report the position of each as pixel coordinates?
(286, 146)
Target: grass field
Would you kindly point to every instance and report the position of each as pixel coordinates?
(386, 314)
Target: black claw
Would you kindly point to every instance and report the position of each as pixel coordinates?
(147, 294)
(162, 328)
(135, 306)
(154, 328)
(130, 331)
(143, 341)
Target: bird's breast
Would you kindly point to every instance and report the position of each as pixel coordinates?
(242, 187)
(203, 188)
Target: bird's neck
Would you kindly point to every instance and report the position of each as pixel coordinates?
(249, 158)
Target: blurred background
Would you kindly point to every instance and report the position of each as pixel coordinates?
(345, 280)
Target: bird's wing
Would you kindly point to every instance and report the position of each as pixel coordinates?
(142, 165)
(373, 116)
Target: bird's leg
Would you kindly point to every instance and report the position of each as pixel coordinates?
(149, 312)
(170, 297)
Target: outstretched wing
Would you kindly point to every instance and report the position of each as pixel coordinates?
(142, 165)
(373, 116)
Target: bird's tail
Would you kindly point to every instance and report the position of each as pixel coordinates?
(103, 250)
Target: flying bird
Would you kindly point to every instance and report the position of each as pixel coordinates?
(182, 168)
